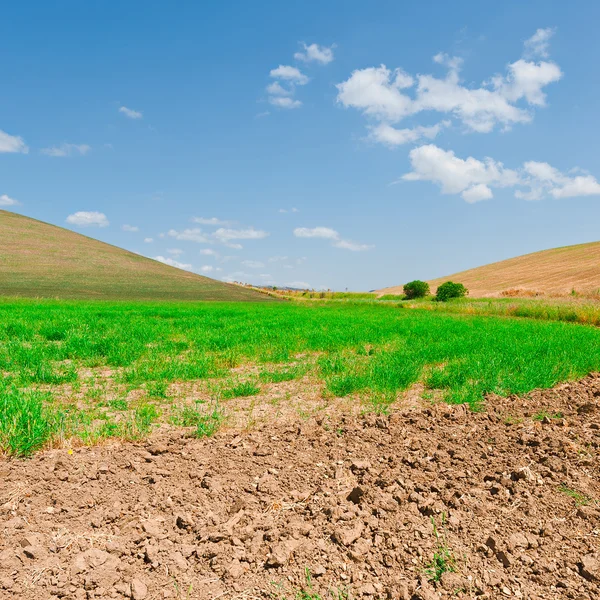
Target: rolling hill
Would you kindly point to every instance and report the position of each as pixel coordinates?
(44, 261)
(555, 272)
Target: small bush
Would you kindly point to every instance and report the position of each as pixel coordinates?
(450, 290)
(416, 289)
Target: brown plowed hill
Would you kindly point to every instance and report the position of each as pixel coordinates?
(44, 261)
(556, 271)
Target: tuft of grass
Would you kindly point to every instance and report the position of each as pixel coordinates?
(580, 499)
(26, 423)
(543, 414)
(209, 424)
(157, 389)
(443, 561)
(240, 390)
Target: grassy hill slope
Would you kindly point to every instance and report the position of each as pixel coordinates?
(45, 261)
(555, 271)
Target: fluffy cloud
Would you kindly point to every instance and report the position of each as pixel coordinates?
(330, 234)
(291, 210)
(289, 73)
(148, 240)
(209, 252)
(315, 53)
(475, 179)
(130, 113)
(175, 251)
(12, 143)
(225, 235)
(386, 134)
(67, 150)
(131, 228)
(389, 95)
(88, 218)
(6, 200)
(284, 102)
(173, 263)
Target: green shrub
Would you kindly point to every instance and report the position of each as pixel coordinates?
(450, 290)
(416, 289)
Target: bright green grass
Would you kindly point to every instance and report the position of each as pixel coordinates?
(374, 350)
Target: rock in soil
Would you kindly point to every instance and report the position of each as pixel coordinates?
(430, 502)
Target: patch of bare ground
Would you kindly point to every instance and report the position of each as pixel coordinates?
(430, 502)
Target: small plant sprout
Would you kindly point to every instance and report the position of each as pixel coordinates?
(443, 561)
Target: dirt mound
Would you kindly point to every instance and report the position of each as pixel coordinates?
(434, 502)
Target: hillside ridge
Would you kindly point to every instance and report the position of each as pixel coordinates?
(43, 260)
(555, 271)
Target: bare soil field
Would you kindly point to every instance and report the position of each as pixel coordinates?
(432, 501)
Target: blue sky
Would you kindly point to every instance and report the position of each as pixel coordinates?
(341, 144)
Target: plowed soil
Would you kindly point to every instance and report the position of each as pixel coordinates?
(428, 502)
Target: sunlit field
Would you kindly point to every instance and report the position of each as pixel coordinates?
(81, 372)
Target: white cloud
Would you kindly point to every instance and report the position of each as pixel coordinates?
(207, 269)
(276, 89)
(274, 259)
(6, 200)
(315, 53)
(290, 210)
(130, 113)
(148, 240)
(376, 91)
(66, 150)
(88, 218)
(132, 228)
(317, 232)
(12, 143)
(209, 252)
(211, 221)
(190, 235)
(330, 234)
(478, 192)
(173, 263)
(222, 235)
(289, 73)
(538, 43)
(455, 175)
(386, 95)
(175, 251)
(386, 134)
(225, 235)
(253, 264)
(475, 179)
(284, 102)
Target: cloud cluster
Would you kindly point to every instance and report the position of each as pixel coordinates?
(315, 53)
(475, 179)
(66, 150)
(327, 233)
(6, 200)
(390, 95)
(226, 236)
(12, 143)
(130, 228)
(88, 219)
(282, 90)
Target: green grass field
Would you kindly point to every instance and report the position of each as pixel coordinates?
(80, 372)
